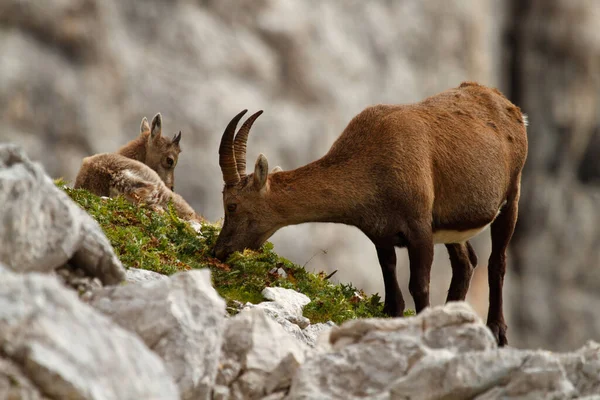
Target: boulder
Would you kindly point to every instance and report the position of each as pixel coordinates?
(285, 308)
(180, 318)
(42, 229)
(445, 352)
(55, 345)
(258, 357)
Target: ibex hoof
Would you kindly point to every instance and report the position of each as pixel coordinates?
(499, 331)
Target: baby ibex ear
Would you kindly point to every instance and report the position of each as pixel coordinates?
(276, 169)
(261, 171)
(176, 138)
(145, 126)
(156, 131)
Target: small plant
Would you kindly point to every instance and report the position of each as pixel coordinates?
(163, 243)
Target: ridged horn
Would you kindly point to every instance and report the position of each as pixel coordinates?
(226, 156)
(239, 144)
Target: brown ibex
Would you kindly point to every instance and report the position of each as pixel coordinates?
(155, 150)
(111, 175)
(437, 171)
(142, 171)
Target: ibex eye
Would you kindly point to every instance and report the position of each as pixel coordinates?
(170, 162)
(231, 207)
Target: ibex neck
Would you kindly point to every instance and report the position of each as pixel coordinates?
(136, 149)
(317, 192)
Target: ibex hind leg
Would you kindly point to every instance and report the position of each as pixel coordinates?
(502, 231)
(463, 260)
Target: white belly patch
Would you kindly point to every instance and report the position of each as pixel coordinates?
(443, 236)
(447, 236)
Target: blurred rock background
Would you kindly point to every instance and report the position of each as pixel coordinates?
(77, 76)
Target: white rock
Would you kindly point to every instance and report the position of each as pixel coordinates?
(68, 350)
(41, 228)
(181, 319)
(136, 275)
(258, 356)
(443, 353)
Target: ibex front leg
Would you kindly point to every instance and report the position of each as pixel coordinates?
(394, 301)
(420, 253)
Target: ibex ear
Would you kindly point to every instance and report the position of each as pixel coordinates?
(156, 131)
(145, 126)
(176, 138)
(261, 171)
(276, 169)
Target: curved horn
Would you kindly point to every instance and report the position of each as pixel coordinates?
(239, 145)
(226, 156)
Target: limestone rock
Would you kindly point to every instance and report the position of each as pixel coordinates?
(180, 318)
(14, 385)
(67, 350)
(443, 353)
(286, 304)
(258, 357)
(41, 228)
(136, 275)
(285, 308)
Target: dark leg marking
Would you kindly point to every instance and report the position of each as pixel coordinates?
(394, 302)
(462, 257)
(502, 230)
(420, 253)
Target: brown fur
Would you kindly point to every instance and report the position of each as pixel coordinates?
(403, 174)
(154, 150)
(113, 174)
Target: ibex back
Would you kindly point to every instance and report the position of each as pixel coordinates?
(438, 171)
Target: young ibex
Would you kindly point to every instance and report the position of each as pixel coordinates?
(437, 171)
(142, 171)
(154, 150)
(113, 174)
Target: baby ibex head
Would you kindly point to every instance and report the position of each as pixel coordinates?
(249, 217)
(161, 153)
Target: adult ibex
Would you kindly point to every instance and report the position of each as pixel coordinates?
(437, 171)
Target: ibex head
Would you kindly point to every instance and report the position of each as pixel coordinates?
(161, 152)
(249, 217)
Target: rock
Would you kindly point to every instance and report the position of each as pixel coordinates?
(312, 332)
(136, 275)
(286, 309)
(258, 357)
(66, 350)
(41, 228)
(14, 385)
(180, 318)
(583, 368)
(78, 281)
(443, 353)
(286, 304)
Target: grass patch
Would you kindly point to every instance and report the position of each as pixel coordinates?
(161, 242)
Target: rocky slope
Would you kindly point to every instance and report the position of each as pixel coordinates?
(77, 76)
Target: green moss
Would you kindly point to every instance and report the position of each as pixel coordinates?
(163, 243)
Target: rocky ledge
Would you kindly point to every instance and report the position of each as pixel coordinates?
(75, 324)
